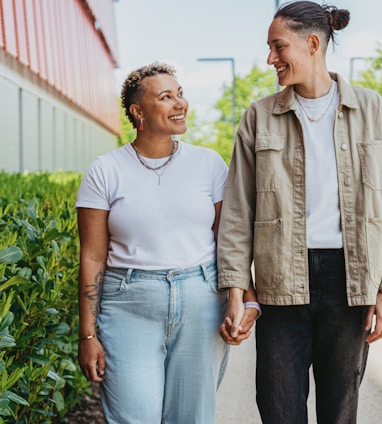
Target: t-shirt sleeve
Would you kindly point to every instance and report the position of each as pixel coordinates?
(92, 192)
(219, 178)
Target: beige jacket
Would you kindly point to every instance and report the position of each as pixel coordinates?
(264, 210)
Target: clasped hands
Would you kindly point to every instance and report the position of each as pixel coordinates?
(238, 322)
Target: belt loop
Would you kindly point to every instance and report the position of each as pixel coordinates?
(205, 272)
(128, 275)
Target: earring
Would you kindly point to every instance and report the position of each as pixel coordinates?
(141, 126)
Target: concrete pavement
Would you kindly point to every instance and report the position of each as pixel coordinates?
(236, 396)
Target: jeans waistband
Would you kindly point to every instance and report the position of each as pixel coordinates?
(333, 252)
(202, 269)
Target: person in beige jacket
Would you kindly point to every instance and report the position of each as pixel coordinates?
(303, 207)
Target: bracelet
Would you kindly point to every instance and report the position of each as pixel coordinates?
(253, 305)
(92, 336)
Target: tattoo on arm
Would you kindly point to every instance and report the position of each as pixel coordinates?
(93, 293)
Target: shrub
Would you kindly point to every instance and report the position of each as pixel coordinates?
(39, 251)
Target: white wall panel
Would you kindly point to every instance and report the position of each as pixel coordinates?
(59, 139)
(29, 137)
(53, 135)
(46, 136)
(9, 126)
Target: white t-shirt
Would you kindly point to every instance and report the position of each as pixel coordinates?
(157, 226)
(323, 212)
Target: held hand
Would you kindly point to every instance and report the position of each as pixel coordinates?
(376, 310)
(249, 318)
(226, 333)
(234, 314)
(238, 322)
(91, 358)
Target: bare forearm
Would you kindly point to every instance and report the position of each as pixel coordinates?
(89, 296)
(250, 294)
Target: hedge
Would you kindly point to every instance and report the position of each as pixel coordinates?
(39, 251)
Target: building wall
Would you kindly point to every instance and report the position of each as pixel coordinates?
(39, 131)
(59, 103)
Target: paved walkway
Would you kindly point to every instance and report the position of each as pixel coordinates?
(236, 396)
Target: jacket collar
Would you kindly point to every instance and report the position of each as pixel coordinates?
(285, 100)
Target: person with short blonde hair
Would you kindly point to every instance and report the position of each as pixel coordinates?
(150, 309)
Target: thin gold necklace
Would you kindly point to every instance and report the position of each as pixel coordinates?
(322, 115)
(164, 164)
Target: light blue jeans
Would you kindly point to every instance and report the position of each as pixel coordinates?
(164, 356)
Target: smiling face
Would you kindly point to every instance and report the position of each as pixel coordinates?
(290, 54)
(162, 106)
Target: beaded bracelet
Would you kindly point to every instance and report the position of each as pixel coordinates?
(253, 305)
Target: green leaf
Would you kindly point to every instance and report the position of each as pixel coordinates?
(60, 402)
(61, 328)
(3, 402)
(10, 255)
(32, 232)
(4, 379)
(43, 412)
(40, 359)
(54, 376)
(8, 303)
(60, 382)
(15, 280)
(10, 380)
(7, 320)
(7, 341)
(14, 398)
(51, 311)
(51, 234)
(68, 365)
(5, 412)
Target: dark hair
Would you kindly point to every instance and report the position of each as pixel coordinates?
(305, 17)
(132, 89)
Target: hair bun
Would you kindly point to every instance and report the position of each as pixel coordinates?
(338, 18)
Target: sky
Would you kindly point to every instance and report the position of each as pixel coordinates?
(181, 31)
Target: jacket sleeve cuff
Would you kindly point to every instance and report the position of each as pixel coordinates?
(228, 279)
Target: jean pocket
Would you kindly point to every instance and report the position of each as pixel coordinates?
(213, 285)
(113, 284)
(212, 281)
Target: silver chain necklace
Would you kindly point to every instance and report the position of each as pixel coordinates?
(161, 167)
(322, 115)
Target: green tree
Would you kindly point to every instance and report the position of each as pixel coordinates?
(218, 135)
(196, 129)
(127, 130)
(372, 77)
(249, 88)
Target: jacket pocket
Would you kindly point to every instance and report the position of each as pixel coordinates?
(268, 253)
(268, 150)
(371, 168)
(374, 248)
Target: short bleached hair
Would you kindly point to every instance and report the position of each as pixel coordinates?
(132, 90)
